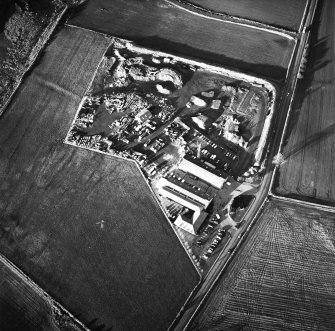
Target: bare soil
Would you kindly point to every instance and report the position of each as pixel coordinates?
(281, 278)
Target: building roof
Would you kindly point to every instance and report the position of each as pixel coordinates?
(192, 224)
(180, 198)
(200, 120)
(143, 115)
(196, 168)
(186, 190)
(187, 199)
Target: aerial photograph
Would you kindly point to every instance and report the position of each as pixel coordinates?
(167, 165)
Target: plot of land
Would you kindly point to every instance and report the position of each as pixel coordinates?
(160, 25)
(23, 307)
(282, 279)
(83, 225)
(24, 30)
(309, 170)
(286, 14)
(159, 110)
(142, 102)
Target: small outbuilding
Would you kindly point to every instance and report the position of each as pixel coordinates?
(143, 115)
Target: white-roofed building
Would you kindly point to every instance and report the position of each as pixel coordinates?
(201, 121)
(143, 115)
(191, 224)
(196, 169)
(193, 196)
(196, 204)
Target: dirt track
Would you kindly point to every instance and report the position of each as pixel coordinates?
(270, 12)
(165, 27)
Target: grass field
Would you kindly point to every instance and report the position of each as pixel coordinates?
(281, 279)
(160, 25)
(126, 273)
(286, 14)
(310, 141)
(23, 307)
(24, 32)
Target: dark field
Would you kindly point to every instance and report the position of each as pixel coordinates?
(25, 308)
(281, 279)
(283, 13)
(128, 273)
(160, 25)
(309, 172)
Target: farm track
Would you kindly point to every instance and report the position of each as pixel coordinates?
(180, 32)
(282, 278)
(53, 196)
(308, 172)
(240, 13)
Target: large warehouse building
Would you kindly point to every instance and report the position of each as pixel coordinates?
(196, 204)
(196, 168)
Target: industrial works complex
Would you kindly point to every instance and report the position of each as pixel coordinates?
(196, 131)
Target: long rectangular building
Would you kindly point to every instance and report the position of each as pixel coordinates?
(199, 170)
(191, 224)
(193, 196)
(193, 202)
(182, 199)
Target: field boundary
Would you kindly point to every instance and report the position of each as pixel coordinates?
(302, 24)
(304, 200)
(231, 256)
(152, 192)
(36, 51)
(141, 173)
(50, 300)
(87, 29)
(253, 80)
(195, 9)
(286, 123)
(64, 140)
(222, 69)
(304, 203)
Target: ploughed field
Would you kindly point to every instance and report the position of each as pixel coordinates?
(163, 26)
(83, 225)
(285, 13)
(282, 277)
(309, 149)
(23, 306)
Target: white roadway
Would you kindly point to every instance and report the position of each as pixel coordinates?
(198, 297)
